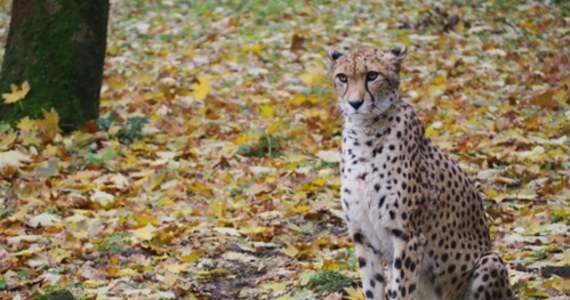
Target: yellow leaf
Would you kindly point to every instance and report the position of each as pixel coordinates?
(17, 94)
(145, 233)
(266, 111)
(313, 77)
(26, 124)
(353, 294)
(164, 202)
(491, 193)
(124, 272)
(156, 180)
(169, 279)
(545, 100)
(247, 137)
(557, 283)
(539, 294)
(57, 255)
(143, 78)
(143, 220)
(116, 83)
(402, 37)
(430, 131)
(218, 207)
(19, 215)
(436, 90)
(275, 286)
(256, 48)
(560, 97)
(565, 259)
(302, 208)
(93, 283)
(201, 89)
(25, 87)
(50, 124)
(440, 80)
(253, 230)
(291, 251)
(319, 182)
(50, 150)
(191, 297)
(190, 257)
(8, 139)
(175, 268)
(257, 188)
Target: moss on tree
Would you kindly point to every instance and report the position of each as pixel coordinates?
(59, 47)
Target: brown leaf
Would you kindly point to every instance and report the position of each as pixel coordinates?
(297, 43)
(91, 126)
(545, 100)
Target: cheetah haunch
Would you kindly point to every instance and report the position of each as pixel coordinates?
(417, 221)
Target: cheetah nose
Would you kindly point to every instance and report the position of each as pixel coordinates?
(356, 103)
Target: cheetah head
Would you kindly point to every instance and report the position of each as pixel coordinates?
(366, 80)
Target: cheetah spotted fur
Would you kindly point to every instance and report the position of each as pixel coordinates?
(417, 221)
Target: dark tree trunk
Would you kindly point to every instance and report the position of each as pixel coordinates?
(58, 46)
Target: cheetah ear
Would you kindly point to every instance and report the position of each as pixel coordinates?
(334, 55)
(397, 56)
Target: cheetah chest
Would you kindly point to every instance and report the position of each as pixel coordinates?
(369, 197)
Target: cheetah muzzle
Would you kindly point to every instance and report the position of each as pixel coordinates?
(417, 221)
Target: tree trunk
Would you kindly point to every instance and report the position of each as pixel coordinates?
(58, 46)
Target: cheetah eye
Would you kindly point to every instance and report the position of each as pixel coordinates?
(342, 78)
(371, 76)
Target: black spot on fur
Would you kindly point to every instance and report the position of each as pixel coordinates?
(400, 234)
(362, 262)
(358, 238)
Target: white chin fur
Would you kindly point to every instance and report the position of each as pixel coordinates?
(364, 114)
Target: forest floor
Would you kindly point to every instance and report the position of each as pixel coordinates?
(213, 170)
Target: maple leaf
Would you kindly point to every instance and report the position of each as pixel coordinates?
(13, 159)
(49, 125)
(17, 94)
(26, 124)
(354, 294)
(201, 89)
(7, 140)
(267, 111)
(45, 219)
(144, 233)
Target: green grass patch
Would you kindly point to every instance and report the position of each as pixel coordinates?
(330, 281)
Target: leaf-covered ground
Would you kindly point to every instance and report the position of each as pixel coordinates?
(213, 170)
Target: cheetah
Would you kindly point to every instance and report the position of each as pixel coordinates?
(416, 219)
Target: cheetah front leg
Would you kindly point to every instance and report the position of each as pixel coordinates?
(371, 268)
(405, 267)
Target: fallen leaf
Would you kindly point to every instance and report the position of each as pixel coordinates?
(103, 198)
(49, 125)
(145, 233)
(26, 124)
(314, 77)
(201, 89)
(13, 159)
(332, 156)
(238, 256)
(45, 219)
